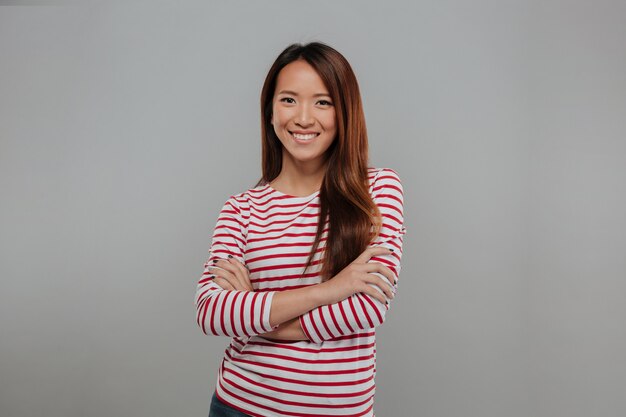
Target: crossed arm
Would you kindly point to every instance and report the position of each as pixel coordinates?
(298, 314)
(357, 297)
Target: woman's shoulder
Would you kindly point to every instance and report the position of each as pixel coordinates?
(379, 176)
(244, 198)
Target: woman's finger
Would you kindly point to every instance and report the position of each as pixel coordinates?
(234, 273)
(373, 292)
(242, 273)
(232, 270)
(226, 277)
(227, 271)
(382, 284)
(238, 274)
(223, 283)
(372, 251)
(376, 266)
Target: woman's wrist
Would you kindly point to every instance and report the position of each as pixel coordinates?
(290, 304)
(289, 330)
(319, 294)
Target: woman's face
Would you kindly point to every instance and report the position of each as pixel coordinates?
(303, 114)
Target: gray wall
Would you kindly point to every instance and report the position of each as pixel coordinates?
(124, 128)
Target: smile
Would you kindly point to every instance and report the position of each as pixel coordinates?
(303, 138)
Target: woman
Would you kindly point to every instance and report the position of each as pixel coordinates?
(301, 297)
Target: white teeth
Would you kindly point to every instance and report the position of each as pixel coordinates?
(304, 137)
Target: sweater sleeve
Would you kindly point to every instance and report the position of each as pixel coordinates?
(233, 313)
(362, 311)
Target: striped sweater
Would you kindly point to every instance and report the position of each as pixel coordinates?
(332, 373)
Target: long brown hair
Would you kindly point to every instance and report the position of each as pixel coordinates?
(345, 201)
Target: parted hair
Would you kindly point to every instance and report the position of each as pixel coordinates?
(345, 203)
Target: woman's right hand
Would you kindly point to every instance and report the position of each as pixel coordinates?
(355, 278)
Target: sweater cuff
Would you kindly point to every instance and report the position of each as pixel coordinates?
(266, 308)
(308, 327)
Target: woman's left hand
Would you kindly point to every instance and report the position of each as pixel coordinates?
(231, 274)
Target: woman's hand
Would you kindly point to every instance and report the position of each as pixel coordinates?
(355, 278)
(231, 274)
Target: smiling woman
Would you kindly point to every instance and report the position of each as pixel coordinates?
(302, 267)
(304, 121)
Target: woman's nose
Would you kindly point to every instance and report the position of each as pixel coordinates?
(304, 116)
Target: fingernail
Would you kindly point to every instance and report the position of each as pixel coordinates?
(211, 276)
(386, 302)
(215, 261)
(230, 256)
(391, 249)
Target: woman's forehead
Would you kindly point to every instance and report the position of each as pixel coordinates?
(300, 78)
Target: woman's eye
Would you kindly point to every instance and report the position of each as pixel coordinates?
(324, 102)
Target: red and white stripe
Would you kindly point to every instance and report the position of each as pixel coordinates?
(332, 373)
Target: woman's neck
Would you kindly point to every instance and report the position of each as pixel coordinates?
(299, 179)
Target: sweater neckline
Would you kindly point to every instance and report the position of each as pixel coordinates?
(315, 193)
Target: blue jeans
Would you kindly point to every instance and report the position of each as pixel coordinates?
(219, 409)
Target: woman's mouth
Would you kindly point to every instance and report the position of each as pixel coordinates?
(303, 138)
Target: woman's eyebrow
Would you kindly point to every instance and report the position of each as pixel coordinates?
(293, 93)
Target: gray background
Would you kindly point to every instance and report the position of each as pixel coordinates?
(124, 128)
